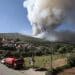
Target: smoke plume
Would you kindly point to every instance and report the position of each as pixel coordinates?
(46, 15)
(60, 36)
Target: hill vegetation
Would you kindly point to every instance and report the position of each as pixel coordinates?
(31, 45)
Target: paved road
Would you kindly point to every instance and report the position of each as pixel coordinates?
(8, 71)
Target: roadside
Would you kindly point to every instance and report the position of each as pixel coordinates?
(8, 71)
(70, 71)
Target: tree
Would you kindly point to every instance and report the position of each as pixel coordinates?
(62, 50)
(71, 59)
(17, 39)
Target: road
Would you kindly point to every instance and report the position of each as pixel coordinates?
(4, 70)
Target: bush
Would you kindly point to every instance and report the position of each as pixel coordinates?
(52, 72)
(57, 70)
(71, 59)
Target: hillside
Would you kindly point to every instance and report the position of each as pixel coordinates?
(23, 38)
(26, 38)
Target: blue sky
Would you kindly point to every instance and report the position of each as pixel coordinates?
(13, 18)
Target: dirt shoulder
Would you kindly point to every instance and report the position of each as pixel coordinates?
(70, 71)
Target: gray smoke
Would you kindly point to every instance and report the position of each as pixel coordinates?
(65, 36)
(46, 15)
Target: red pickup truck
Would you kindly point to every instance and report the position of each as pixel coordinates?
(14, 63)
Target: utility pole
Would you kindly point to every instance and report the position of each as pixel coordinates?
(51, 60)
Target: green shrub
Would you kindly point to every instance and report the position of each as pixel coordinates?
(57, 70)
(53, 71)
(71, 59)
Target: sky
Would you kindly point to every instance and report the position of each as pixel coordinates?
(13, 18)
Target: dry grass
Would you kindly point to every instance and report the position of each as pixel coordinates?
(45, 61)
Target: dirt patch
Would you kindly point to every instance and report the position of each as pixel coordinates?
(70, 71)
(57, 63)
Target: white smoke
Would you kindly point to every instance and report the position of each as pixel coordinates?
(46, 15)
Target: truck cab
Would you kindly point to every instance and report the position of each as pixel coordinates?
(14, 62)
